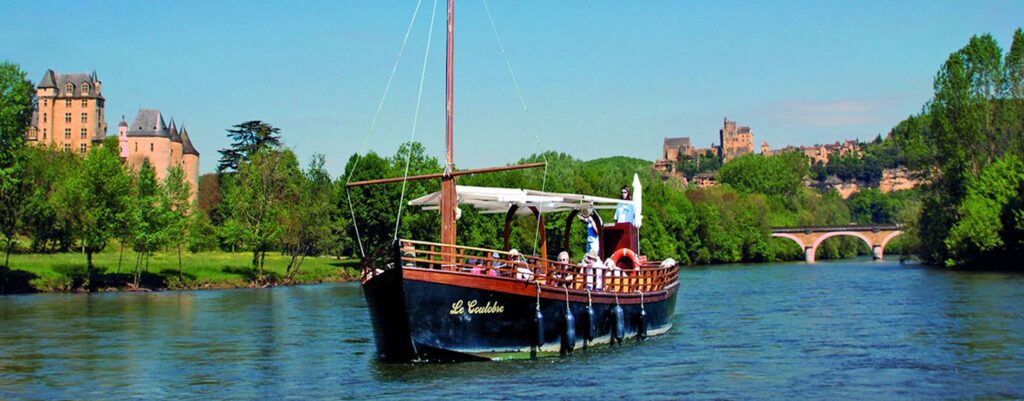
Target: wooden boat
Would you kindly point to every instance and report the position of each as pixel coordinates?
(440, 301)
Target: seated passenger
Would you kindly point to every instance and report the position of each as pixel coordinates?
(477, 266)
(496, 264)
(408, 252)
(614, 274)
(560, 272)
(522, 268)
(594, 270)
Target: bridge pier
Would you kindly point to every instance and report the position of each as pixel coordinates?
(809, 254)
(876, 252)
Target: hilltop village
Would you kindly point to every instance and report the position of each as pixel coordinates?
(839, 166)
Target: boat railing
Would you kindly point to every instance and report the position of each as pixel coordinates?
(534, 269)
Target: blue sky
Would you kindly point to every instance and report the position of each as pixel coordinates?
(601, 78)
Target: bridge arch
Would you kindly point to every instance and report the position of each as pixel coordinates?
(792, 237)
(809, 238)
(826, 236)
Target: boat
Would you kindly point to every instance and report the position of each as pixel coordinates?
(443, 302)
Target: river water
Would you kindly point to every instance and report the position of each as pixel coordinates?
(849, 329)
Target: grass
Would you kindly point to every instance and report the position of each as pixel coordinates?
(65, 272)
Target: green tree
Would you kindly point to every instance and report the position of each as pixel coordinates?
(249, 138)
(973, 120)
(265, 184)
(690, 166)
(151, 217)
(777, 175)
(989, 227)
(94, 200)
(179, 208)
(202, 234)
(46, 170)
(308, 218)
(375, 208)
(16, 104)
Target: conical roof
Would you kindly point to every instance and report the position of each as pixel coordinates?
(148, 122)
(48, 81)
(173, 132)
(186, 144)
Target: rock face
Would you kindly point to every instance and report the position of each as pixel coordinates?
(897, 179)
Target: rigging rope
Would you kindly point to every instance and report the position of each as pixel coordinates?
(415, 120)
(529, 120)
(373, 122)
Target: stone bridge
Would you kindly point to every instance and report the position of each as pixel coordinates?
(876, 236)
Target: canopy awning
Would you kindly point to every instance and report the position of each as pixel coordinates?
(489, 200)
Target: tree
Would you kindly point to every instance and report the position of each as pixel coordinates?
(777, 175)
(94, 201)
(989, 228)
(376, 207)
(150, 216)
(46, 170)
(258, 200)
(689, 166)
(16, 105)
(309, 218)
(179, 208)
(249, 138)
(973, 120)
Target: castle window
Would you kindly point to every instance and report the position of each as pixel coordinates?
(136, 146)
(85, 86)
(67, 117)
(67, 103)
(67, 147)
(69, 88)
(85, 103)
(84, 133)
(44, 117)
(82, 148)
(150, 147)
(67, 133)
(45, 102)
(85, 117)
(44, 133)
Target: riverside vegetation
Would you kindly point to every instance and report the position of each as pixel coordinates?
(966, 145)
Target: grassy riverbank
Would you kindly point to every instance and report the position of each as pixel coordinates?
(65, 272)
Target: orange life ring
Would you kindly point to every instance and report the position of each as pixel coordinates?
(627, 253)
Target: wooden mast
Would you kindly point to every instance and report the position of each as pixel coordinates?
(449, 199)
(448, 196)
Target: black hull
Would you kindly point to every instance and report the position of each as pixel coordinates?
(415, 319)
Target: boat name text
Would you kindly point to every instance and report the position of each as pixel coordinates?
(473, 308)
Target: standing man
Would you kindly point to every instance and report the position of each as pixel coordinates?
(593, 239)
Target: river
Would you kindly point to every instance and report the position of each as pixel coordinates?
(833, 330)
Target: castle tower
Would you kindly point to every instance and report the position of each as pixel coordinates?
(69, 113)
(149, 138)
(190, 161)
(176, 148)
(734, 141)
(122, 139)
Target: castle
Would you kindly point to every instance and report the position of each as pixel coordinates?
(734, 141)
(69, 116)
(149, 138)
(69, 112)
